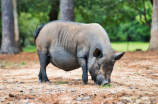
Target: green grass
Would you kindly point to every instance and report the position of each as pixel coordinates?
(5, 64)
(23, 63)
(106, 86)
(117, 46)
(61, 82)
(29, 49)
(122, 46)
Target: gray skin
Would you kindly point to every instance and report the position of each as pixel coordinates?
(70, 45)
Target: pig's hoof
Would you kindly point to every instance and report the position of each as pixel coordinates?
(40, 80)
(48, 82)
(84, 82)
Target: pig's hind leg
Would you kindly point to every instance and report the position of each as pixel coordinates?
(44, 61)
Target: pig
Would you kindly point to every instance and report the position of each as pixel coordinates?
(70, 45)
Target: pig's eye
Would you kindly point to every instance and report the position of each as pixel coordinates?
(98, 66)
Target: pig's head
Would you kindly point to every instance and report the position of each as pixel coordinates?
(102, 66)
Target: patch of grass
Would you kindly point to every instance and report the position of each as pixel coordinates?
(29, 49)
(106, 86)
(61, 82)
(119, 66)
(5, 64)
(8, 64)
(36, 62)
(136, 73)
(23, 63)
(122, 46)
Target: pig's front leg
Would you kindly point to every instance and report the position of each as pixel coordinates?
(83, 64)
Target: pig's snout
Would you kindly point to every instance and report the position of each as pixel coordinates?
(101, 80)
(105, 82)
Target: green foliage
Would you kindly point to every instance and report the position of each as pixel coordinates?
(118, 17)
(27, 26)
(37, 8)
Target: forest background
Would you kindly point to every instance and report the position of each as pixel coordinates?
(124, 20)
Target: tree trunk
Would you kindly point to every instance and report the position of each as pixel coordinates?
(16, 28)
(67, 10)
(8, 42)
(154, 28)
(53, 14)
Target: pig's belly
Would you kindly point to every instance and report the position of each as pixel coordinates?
(63, 60)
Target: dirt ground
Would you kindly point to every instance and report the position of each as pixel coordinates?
(133, 80)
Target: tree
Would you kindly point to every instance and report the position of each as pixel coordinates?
(53, 14)
(8, 41)
(16, 28)
(67, 10)
(154, 28)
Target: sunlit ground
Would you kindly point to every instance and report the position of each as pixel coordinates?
(132, 46)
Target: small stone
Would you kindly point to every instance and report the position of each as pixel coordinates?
(105, 90)
(47, 92)
(50, 90)
(22, 82)
(70, 83)
(0, 89)
(57, 88)
(86, 98)
(79, 99)
(58, 78)
(136, 88)
(59, 92)
(26, 103)
(152, 101)
(32, 91)
(120, 102)
(11, 95)
(131, 87)
(125, 101)
(78, 79)
(115, 92)
(21, 91)
(72, 90)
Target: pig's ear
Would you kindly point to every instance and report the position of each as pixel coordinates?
(97, 53)
(118, 55)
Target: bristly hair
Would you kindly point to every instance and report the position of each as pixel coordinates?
(36, 32)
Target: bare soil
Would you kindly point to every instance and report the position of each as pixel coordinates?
(134, 80)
